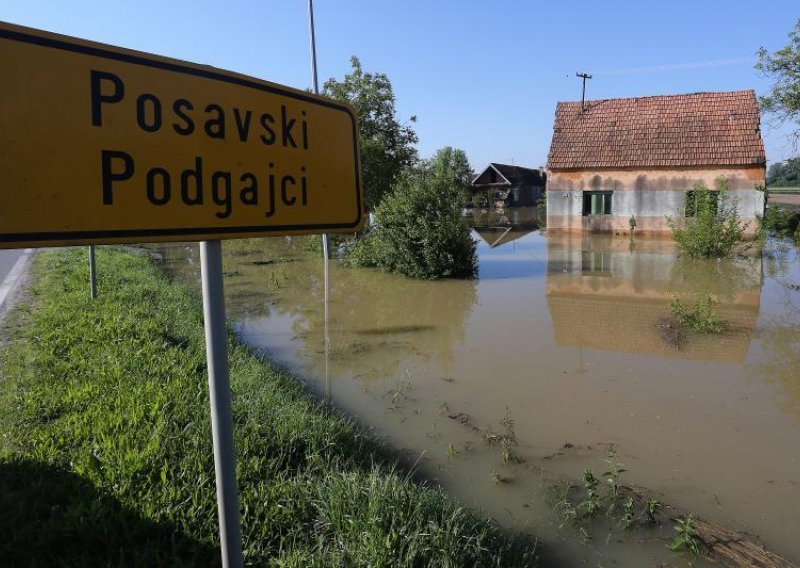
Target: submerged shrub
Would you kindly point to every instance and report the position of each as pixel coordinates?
(781, 221)
(712, 228)
(418, 231)
(702, 317)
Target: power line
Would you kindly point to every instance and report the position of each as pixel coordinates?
(679, 66)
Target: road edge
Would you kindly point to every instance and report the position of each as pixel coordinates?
(10, 285)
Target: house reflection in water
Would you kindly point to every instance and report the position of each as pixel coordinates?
(609, 294)
(500, 227)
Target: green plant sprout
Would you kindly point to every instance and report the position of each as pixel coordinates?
(628, 519)
(650, 510)
(592, 503)
(615, 469)
(687, 537)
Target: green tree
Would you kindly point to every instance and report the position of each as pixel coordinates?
(783, 101)
(419, 231)
(387, 146)
(451, 164)
(784, 174)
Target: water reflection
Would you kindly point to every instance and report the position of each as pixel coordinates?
(276, 294)
(498, 228)
(603, 294)
(777, 341)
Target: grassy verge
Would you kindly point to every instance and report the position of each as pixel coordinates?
(106, 451)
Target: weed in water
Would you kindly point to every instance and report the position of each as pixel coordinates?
(628, 520)
(615, 469)
(651, 507)
(563, 506)
(702, 317)
(592, 503)
(687, 537)
(452, 451)
(508, 440)
(509, 456)
(399, 394)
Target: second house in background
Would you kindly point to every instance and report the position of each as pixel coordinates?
(503, 185)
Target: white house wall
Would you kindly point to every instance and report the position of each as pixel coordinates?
(647, 196)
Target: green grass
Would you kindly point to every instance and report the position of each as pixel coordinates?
(784, 190)
(106, 458)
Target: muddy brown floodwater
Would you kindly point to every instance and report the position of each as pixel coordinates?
(506, 387)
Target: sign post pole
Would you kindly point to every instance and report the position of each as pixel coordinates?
(92, 274)
(325, 254)
(220, 395)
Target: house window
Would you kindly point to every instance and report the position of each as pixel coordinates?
(696, 200)
(596, 203)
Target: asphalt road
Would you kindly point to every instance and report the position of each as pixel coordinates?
(12, 267)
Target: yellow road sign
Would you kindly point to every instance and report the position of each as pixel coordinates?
(100, 144)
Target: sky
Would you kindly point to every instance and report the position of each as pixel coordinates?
(483, 76)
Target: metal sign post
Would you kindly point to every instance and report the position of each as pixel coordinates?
(220, 394)
(92, 275)
(325, 254)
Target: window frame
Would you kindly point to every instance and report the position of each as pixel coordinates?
(607, 203)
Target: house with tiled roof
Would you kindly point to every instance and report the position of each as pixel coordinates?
(614, 159)
(509, 185)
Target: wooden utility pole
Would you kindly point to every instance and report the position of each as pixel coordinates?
(583, 76)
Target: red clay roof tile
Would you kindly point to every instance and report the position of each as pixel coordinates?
(700, 129)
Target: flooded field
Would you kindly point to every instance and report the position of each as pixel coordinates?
(506, 387)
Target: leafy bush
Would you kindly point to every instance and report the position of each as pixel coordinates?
(781, 222)
(418, 231)
(702, 317)
(714, 230)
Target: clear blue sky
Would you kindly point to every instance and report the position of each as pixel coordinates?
(482, 76)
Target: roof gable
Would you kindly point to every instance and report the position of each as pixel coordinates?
(700, 129)
(509, 175)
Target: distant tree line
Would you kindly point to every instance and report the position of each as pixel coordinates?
(784, 174)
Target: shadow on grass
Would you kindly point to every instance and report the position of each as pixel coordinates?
(53, 517)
